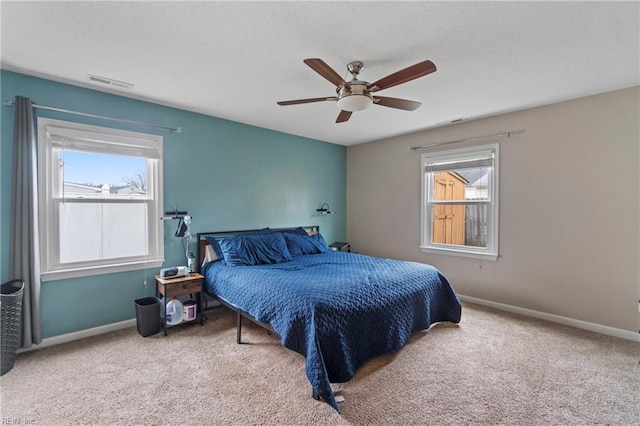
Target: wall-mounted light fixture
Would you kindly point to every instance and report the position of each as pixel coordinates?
(324, 209)
(184, 233)
(174, 215)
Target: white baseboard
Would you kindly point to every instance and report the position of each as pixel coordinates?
(76, 335)
(598, 328)
(611, 331)
(95, 331)
(211, 304)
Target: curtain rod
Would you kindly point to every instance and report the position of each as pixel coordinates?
(507, 134)
(103, 117)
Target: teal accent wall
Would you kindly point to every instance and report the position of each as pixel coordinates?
(227, 175)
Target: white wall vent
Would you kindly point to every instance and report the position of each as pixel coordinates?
(109, 82)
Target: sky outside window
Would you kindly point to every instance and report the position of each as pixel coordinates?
(99, 169)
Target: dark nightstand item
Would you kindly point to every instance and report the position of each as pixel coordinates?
(340, 246)
(170, 287)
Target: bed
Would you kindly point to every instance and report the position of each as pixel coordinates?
(337, 309)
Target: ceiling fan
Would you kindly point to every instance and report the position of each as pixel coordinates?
(357, 95)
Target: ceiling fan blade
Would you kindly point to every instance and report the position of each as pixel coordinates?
(396, 103)
(319, 66)
(343, 116)
(307, 101)
(407, 74)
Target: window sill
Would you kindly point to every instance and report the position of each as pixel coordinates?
(99, 270)
(460, 253)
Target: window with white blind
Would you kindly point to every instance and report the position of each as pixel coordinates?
(460, 202)
(100, 199)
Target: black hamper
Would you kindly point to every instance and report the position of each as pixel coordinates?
(11, 294)
(148, 316)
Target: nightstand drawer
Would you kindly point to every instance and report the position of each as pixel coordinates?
(178, 288)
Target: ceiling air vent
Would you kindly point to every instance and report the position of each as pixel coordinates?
(109, 82)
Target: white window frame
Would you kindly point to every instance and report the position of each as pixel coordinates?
(101, 140)
(490, 252)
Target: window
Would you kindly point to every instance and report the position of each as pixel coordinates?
(460, 202)
(100, 199)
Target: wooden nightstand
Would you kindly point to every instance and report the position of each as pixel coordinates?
(170, 287)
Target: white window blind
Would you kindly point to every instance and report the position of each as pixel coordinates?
(459, 165)
(112, 143)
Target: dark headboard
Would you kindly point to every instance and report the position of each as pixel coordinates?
(202, 241)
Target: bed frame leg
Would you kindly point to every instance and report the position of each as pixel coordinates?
(238, 328)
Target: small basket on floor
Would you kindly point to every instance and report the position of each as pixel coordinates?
(11, 294)
(148, 316)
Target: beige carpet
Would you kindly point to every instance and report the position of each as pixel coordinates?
(494, 368)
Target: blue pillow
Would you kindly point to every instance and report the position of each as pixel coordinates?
(214, 241)
(254, 249)
(297, 231)
(299, 245)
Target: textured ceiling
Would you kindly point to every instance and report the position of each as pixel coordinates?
(235, 60)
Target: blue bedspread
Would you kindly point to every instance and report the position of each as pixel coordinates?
(337, 309)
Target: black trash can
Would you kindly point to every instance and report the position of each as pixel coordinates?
(11, 294)
(148, 316)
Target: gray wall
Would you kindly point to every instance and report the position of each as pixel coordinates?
(569, 208)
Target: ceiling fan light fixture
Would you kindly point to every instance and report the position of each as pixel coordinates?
(354, 102)
(354, 96)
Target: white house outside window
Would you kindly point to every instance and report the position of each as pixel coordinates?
(100, 199)
(460, 202)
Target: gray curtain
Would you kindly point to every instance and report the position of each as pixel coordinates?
(24, 249)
